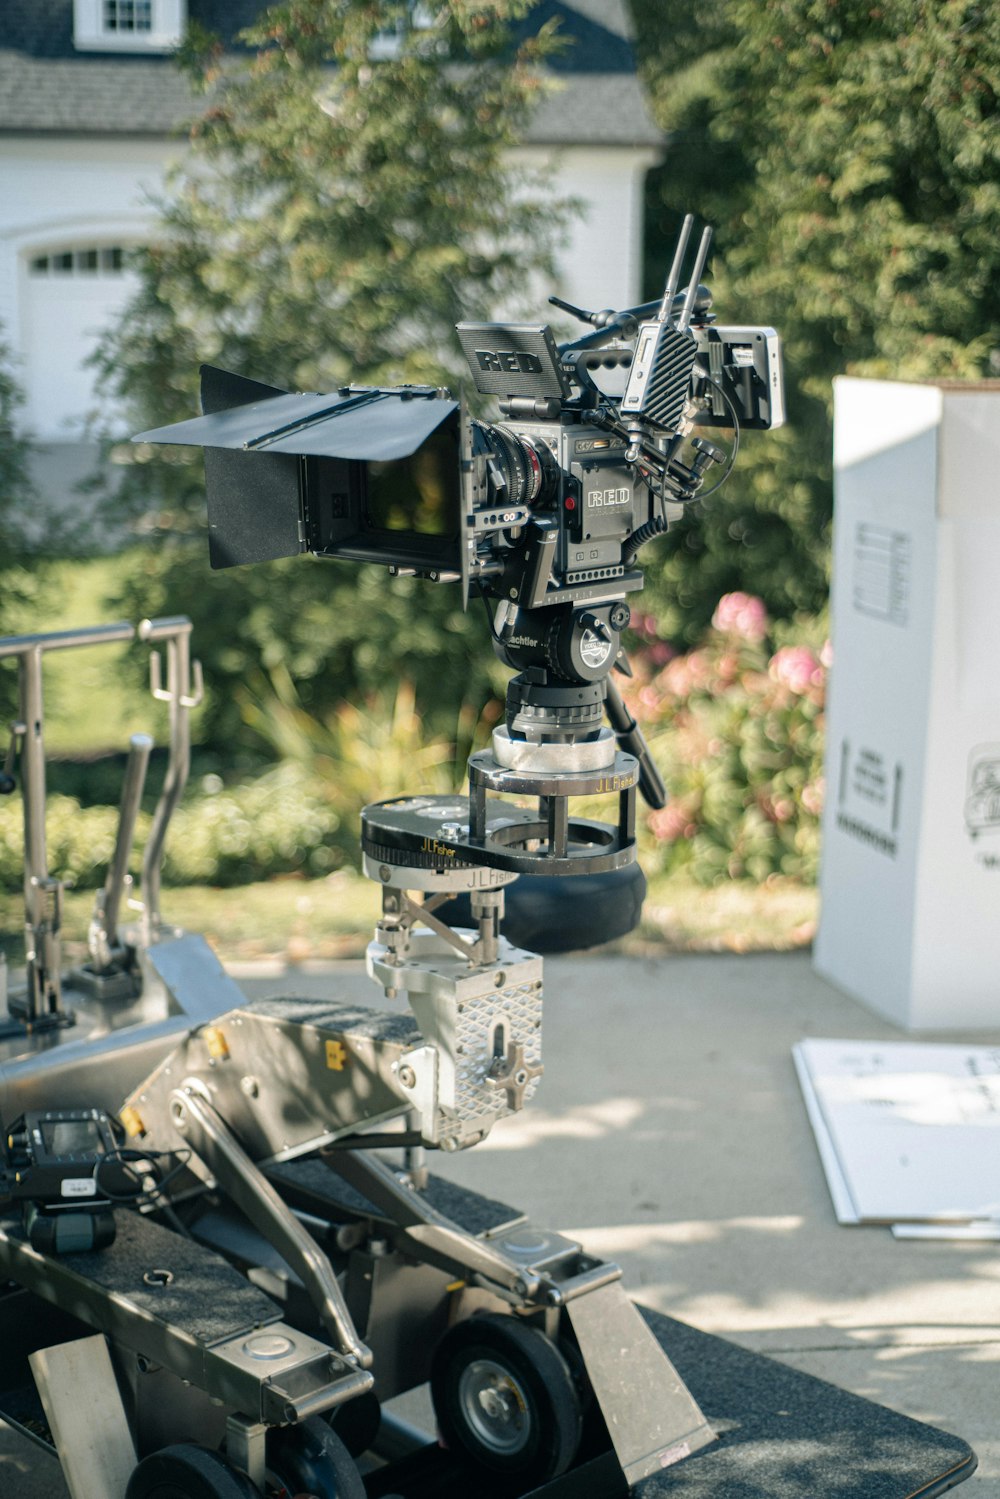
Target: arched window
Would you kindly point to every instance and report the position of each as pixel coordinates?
(71, 292)
(89, 260)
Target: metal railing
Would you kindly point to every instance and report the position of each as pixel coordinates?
(41, 1003)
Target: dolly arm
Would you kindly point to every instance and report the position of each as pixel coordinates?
(102, 936)
(433, 1237)
(212, 1140)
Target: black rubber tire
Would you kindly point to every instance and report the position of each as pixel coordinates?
(546, 914)
(356, 1422)
(187, 1471)
(526, 1373)
(311, 1459)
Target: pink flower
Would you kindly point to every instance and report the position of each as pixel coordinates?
(812, 796)
(686, 674)
(671, 822)
(645, 624)
(741, 614)
(796, 668)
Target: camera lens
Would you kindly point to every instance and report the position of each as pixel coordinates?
(528, 468)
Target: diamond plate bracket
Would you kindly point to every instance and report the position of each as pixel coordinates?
(481, 1029)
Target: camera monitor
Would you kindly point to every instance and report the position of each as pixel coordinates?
(360, 473)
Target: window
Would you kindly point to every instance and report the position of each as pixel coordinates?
(127, 15)
(128, 25)
(101, 260)
(387, 43)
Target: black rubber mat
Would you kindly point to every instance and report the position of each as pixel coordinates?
(204, 1296)
(795, 1437)
(315, 1187)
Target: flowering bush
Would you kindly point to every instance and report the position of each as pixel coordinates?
(736, 727)
(301, 816)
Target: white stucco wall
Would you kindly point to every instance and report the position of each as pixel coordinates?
(601, 263)
(59, 193)
(64, 193)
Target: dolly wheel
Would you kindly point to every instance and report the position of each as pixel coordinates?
(311, 1459)
(504, 1394)
(186, 1471)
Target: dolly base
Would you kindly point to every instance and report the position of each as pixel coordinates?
(781, 1433)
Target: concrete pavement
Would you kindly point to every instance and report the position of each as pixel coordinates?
(669, 1134)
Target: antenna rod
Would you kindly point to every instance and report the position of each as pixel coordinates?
(699, 266)
(673, 280)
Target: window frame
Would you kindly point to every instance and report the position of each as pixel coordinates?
(91, 33)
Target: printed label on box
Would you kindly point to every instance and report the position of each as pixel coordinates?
(982, 803)
(881, 578)
(869, 797)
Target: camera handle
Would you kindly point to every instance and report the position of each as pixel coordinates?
(40, 1005)
(609, 325)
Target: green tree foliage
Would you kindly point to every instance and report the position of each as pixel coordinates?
(348, 197)
(848, 152)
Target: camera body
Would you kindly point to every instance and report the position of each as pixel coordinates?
(597, 450)
(569, 549)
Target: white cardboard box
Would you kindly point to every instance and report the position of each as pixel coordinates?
(910, 879)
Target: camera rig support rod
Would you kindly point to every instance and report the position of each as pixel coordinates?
(40, 1006)
(184, 691)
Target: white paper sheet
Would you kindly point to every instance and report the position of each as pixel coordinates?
(907, 1131)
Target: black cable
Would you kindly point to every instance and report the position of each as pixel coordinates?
(736, 441)
(497, 639)
(124, 1158)
(654, 527)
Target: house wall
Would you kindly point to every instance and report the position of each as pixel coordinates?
(601, 263)
(65, 193)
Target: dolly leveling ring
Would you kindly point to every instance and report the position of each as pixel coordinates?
(562, 845)
(500, 837)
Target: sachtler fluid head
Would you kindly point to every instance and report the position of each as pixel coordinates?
(543, 513)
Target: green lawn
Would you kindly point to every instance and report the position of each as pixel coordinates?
(299, 920)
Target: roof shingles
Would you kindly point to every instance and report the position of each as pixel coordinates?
(46, 87)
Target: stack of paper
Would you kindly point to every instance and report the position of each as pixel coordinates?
(908, 1133)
